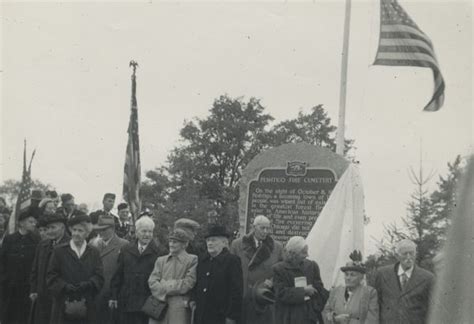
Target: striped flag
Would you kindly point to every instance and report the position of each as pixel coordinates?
(402, 43)
(24, 197)
(132, 169)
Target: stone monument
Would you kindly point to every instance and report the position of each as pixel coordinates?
(289, 184)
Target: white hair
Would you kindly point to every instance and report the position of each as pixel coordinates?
(295, 244)
(404, 243)
(144, 222)
(260, 219)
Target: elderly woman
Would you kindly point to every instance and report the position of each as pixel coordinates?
(299, 291)
(353, 303)
(173, 278)
(75, 276)
(129, 285)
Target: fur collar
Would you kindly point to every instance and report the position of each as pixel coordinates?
(257, 256)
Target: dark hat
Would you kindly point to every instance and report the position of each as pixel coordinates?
(122, 206)
(44, 220)
(51, 194)
(37, 195)
(179, 235)
(355, 264)
(105, 221)
(109, 195)
(66, 197)
(78, 218)
(189, 225)
(29, 212)
(262, 293)
(217, 230)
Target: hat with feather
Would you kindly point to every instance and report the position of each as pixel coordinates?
(355, 264)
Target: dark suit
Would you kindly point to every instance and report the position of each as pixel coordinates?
(403, 306)
(219, 289)
(129, 285)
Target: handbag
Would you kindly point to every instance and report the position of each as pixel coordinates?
(75, 309)
(155, 308)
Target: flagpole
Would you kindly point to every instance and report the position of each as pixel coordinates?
(342, 93)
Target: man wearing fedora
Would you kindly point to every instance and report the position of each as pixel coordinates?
(258, 252)
(109, 246)
(55, 225)
(404, 289)
(219, 288)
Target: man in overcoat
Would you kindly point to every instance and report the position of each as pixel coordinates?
(219, 287)
(16, 258)
(123, 226)
(258, 252)
(404, 289)
(129, 285)
(109, 246)
(39, 293)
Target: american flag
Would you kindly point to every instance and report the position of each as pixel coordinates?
(402, 43)
(132, 169)
(24, 197)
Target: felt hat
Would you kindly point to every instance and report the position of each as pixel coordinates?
(105, 221)
(179, 235)
(262, 293)
(29, 212)
(217, 230)
(189, 225)
(45, 220)
(78, 218)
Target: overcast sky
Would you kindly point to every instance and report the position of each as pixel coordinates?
(66, 85)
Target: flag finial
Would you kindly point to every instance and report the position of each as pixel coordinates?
(134, 65)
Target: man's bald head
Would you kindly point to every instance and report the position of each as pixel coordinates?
(262, 227)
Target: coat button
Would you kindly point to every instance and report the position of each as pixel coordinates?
(205, 289)
(207, 274)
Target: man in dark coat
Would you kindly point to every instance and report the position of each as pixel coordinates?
(39, 293)
(217, 295)
(258, 252)
(404, 289)
(123, 226)
(129, 285)
(108, 203)
(75, 275)
(109, 246)
(16, 258)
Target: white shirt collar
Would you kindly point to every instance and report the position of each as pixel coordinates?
(79, 251)
(407, 272)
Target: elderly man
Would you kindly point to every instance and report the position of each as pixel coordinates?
(109, 246)
(404, 289)
(218, 291)
(129, 285)
(258, 253)
(16, 257)
(56, 234)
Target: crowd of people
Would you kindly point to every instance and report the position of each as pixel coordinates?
(64, 265)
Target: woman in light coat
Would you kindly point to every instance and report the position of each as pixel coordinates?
(173, 278)
(354, 302)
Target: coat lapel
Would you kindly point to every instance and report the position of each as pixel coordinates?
(110, 247)
(415, 280)
(254, 254)
(391, 279)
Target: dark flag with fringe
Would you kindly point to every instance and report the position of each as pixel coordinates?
(402, 43)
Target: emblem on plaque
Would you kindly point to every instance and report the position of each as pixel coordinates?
(296, 168)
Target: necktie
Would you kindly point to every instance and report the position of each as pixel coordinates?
(404, 280)
(142, 248)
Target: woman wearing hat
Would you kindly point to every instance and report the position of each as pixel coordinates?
(173, 278)
(75, 276)
(353, 303)
(299, 291)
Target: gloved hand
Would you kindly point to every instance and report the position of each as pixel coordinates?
(85, 285)
(70, 288)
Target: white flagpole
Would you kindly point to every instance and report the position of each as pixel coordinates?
(342, 94)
